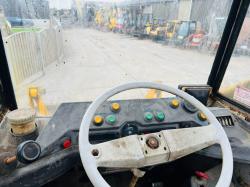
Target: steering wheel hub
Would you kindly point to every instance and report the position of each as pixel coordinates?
(152, 142)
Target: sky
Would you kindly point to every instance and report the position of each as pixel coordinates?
(66, 4)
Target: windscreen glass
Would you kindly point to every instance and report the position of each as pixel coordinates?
(73, 50)
(184, 28)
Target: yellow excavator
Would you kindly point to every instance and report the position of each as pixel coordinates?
(112, 23)
(155, 29)
(165, 30)
(112, 20)
(148, 28)
(99, 18)
(171, 28)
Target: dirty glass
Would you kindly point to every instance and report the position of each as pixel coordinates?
(170, 27)
(236, 82)
(183, 30)
(73, 50)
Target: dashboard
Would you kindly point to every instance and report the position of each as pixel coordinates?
(115, 119)
(58, 139)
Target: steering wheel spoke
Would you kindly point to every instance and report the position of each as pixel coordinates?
(182, 142)
(133, 151)
(137, 151)
(122, 153)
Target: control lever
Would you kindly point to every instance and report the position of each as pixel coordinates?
(136, 175)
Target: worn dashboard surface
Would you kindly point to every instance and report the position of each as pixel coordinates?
(114, 119)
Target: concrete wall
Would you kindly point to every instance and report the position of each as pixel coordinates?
(184, 9)
(165, 10)
(26, 8)
(205, 11)
(159, 10)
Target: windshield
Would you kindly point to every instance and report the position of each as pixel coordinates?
(236, 82)
(184, 28)
(74, 50)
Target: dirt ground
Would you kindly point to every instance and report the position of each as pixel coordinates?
(95, 61)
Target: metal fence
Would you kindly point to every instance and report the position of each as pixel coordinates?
(28, 53)
(50, 42)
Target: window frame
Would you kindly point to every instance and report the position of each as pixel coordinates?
(225, 50)
(7, 91)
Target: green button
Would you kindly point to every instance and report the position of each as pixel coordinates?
(111, 119)
(148, 116)
(160, 116)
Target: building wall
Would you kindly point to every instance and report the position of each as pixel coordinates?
(26, 8)
(184, 9)
(165, 10)
(172, 10)
(159, 10)
(11, 8)
(205, 11)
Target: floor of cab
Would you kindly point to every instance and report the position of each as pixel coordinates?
(176, 173)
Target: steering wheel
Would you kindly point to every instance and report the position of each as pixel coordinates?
(137, 151)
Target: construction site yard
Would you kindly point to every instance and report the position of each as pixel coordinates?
(95, 61)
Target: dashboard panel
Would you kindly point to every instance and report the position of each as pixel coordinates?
(58, 139)
(115, 119)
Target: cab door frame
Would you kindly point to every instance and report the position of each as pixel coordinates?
(7, 93)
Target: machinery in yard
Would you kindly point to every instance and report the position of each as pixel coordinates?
(139, 23)
(195, 40)
(112, 22)
(99, 19)
(172, 28)
(120, 24)
(186, 28)
(211, 40)
(151, 28)
(244, 47)
(243, 43)
(146, 25)
(158, 30)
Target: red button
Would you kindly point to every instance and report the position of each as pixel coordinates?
(201, 175)
(66, 144)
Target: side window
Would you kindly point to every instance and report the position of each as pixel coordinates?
(236, 82)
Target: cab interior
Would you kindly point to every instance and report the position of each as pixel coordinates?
(196, 136)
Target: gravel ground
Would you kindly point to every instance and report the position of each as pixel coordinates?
(95, 61)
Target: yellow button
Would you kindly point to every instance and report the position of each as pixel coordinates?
(98, 120)
(115, 107)
(33, 92)
(174, 103)
(202, 116)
